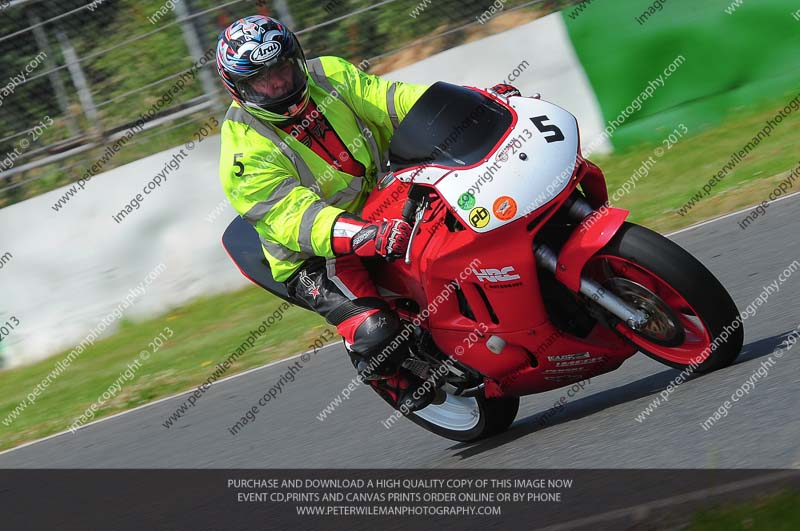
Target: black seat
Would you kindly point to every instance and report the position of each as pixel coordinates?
(243, 246)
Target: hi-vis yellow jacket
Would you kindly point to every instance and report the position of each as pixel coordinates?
(290, 194)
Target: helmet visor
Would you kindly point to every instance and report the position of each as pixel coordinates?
(275, 83)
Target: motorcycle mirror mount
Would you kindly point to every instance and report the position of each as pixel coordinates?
(416, 194)
(422, 206)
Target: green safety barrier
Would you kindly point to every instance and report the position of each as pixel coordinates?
(732, 62)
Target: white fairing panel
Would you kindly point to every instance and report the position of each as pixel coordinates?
(533, 165)
(422, 174)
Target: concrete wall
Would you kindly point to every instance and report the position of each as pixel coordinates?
(554, 70)
(71, 267)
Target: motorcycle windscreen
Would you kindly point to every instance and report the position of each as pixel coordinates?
(449, 125)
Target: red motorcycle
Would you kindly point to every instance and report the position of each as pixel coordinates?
(518, 278)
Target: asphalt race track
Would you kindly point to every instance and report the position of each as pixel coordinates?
(597, 429)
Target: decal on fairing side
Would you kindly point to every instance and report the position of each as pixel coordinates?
(565, 357)
(505, 274)
(466, 201)
(505, 208)
(386, 180)
(563, 378)
(564, 371)
(479, 217)
(587, 361)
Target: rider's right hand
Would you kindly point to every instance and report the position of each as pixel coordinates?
(387, 238)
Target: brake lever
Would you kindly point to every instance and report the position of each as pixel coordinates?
(417, 220)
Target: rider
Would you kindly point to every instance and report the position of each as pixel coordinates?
(303, 144)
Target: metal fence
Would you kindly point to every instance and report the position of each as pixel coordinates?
(88, 86)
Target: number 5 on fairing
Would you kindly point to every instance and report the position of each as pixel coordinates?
(539, 122)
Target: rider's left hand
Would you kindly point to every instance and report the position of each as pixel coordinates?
(387, 238)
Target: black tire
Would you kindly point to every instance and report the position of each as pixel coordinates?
(692, 280)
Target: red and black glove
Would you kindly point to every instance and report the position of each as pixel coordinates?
(505, 90)
(387, 238)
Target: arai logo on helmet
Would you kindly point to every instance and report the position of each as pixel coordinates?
(265, 52)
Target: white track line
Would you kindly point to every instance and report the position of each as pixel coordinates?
(747, 209)
(164, 399)
(237, 375)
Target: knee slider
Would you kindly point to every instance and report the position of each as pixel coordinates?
(376, 331)
(385, 346)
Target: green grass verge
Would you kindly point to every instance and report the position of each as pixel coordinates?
(780, 512)
(207, 330)
(693, 160)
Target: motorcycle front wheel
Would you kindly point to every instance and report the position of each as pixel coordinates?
(692, 321)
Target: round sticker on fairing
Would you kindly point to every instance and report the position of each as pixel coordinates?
(479, 217)
(467, 200)
(504, 208)
(265, 52)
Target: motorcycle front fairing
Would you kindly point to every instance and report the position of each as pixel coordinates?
(484, 156)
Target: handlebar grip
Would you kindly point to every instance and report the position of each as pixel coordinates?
(409, 209)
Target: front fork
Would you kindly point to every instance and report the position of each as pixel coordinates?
(594, 231)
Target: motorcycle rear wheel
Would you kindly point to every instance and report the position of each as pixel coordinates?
(467, 419)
